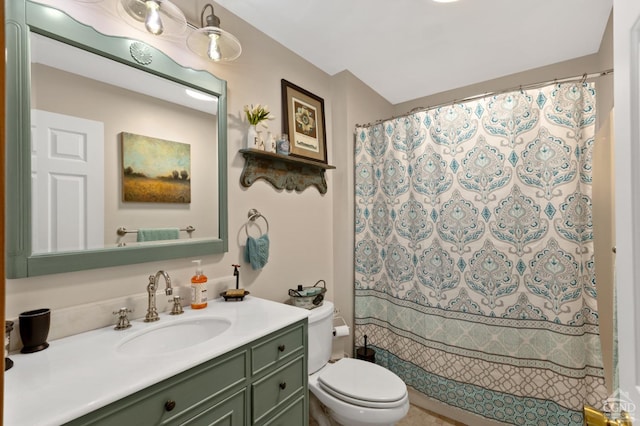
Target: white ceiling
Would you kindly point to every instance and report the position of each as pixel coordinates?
(407, 49)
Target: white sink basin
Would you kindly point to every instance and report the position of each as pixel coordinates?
(173, 336)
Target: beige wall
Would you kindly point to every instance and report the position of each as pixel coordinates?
(311, 234)
(353, 103)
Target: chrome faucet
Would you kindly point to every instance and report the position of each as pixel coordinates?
(152, 287)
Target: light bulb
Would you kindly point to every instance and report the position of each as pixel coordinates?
(152, 21)
(214, 50)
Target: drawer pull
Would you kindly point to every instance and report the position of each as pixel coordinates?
(281, 348)
(283, 385)
(169, 405)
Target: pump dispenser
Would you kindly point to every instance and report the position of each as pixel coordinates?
(198, 287)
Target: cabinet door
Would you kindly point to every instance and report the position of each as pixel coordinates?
(292, 415)
(229, 412)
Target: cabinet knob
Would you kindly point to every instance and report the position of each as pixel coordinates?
(283, 385)
(281, 348)
(169, 405)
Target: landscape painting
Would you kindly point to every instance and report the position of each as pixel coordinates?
(155, 170)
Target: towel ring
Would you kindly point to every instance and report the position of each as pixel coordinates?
(253, 215)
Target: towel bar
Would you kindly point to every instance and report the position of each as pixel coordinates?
(123, 231)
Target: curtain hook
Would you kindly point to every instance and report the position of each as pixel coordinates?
(584, 78)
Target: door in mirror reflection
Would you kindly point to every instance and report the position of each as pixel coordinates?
(67, 170)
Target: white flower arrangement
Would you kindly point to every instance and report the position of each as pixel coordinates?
(257, 114)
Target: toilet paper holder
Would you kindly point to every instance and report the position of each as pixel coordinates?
(340, 327)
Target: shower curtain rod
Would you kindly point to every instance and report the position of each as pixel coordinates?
(584, 77)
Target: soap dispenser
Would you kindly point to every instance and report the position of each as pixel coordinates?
(198, 287)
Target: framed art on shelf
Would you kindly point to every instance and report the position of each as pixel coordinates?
(303, 120)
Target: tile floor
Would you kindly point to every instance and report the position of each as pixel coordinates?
(419, 417)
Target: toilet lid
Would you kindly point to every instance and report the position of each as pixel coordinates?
(363, 383)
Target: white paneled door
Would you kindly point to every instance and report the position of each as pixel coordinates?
(627, 180)
(67, 172)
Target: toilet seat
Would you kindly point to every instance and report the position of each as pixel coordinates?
(363, 383)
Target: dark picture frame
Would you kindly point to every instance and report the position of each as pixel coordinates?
(303, 120)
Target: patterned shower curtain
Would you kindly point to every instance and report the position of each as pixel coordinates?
(474, 259)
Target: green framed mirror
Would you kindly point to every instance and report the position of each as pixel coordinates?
(62, 219)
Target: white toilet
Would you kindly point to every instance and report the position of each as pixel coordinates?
(355, 392)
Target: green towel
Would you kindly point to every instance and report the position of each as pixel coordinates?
(157, 234)
(256, 251)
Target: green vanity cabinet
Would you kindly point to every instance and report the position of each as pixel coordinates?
(261, 383)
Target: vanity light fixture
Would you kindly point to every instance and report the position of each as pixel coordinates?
(211, 41)
(158, 16)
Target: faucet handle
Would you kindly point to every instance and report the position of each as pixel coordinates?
(123, 321)
(177, 306)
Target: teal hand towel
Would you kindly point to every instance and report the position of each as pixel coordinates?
(157, 234)
(256, 251)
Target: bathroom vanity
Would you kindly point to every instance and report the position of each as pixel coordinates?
(252, 371)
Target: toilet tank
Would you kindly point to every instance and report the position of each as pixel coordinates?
(320, 336)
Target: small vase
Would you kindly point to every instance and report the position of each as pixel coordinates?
(254, 141)
(270, 143)
(282, 145)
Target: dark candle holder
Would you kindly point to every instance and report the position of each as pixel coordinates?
(34, 330)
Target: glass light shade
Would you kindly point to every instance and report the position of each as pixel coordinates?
(155, 16)
(215, 44)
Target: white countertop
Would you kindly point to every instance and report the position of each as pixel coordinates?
(81, 373)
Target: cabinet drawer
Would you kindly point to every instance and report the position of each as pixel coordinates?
(229, 412)
(162, 403)
(277, 348)
(276, 389)
(292, 415)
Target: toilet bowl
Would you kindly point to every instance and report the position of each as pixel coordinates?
(353, 392)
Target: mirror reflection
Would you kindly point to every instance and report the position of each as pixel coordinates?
(119, 156)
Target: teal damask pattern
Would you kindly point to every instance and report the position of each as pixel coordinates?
(459, 223)
(510, 116)
(474, 264)
(483, 170)
(452, 126)
(518, 221)
(547, 164)
(430, 177)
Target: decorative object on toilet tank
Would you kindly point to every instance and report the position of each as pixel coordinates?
(308, 297)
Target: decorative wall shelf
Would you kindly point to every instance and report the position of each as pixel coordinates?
(283, 171)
